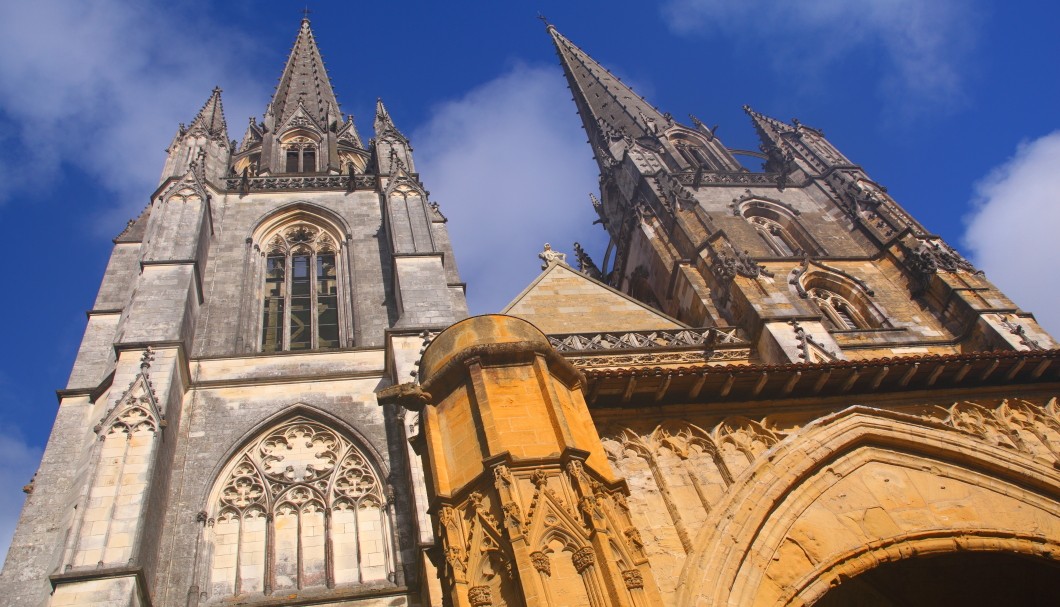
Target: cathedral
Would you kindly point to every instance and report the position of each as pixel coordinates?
(775, 387)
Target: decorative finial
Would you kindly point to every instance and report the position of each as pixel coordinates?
(305, 14)
(544, 20)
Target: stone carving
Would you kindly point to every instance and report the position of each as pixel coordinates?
(931, 256)
(635, 340)
(726, 267)
(634, 539)
(455, 557)
(137, 409)
(731, 178)
(299, 453)
(286, 184)
(512, 514)
(549, 255)
(502, 475)
(658, 358)
(301, 470)
(585, 263)
(541, 562)
(1019, 331)
(710, 461)
(480, 596)
(583, 558)
(633, 579)
(809, 347)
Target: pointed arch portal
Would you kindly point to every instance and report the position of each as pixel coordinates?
(852, 503)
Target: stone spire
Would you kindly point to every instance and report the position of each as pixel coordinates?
(768, 129)
(202, 145)
(383, 123)
(605, 102)
(304, 82)
(211, 118)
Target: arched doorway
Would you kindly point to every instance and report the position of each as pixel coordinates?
(862, 491)
(968, 579)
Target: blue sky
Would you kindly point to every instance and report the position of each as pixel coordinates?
(950, 104)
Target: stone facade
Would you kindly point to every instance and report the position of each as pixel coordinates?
(777, 389)
(220, 436)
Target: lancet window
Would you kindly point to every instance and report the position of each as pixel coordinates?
(301, 303)
(299, 507)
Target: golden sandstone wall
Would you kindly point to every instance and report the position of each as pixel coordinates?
(537, 502)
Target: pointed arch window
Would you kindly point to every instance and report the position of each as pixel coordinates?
(299, 507)
(775, 236)
(839, 312)
(778, 228)
(301, 301)
(300, 155)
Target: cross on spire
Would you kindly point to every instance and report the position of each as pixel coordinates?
(305, 13)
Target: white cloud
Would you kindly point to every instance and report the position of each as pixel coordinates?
(925, 43)
(20, 462)
(1014, 229)
(102, 85)
(510, 167)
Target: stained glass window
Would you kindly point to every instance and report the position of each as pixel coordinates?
(301, 303)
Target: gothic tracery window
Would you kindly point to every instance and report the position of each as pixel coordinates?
(300, 507)
(839, 312)
(300, 155)
(775, 236)
(301, 309)
(777, 227)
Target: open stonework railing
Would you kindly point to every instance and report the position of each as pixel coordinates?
(636, 340)
(309, 182)
(637, 348)
(708, 178)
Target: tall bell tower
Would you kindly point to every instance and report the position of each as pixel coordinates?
(809, 256)
(219, 438)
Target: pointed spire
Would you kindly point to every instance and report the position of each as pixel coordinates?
(604, 101)
(383, 122)
(211, 117)
(768, 128)
(304, 82)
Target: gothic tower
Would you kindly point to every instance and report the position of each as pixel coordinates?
(219, 437)
(778, 389)
(810, 245)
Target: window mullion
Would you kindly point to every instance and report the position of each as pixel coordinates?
(313, 321)
(287, 289)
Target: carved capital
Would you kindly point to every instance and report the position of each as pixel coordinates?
(583, 558)
(541, 562)
(480, 596)
(633, 579)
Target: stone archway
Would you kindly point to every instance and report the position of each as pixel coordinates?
(969, 579)
(863, 488)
